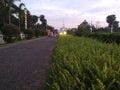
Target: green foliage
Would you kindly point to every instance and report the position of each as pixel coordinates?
(37, 33)
(110, 19)
(29, 33)
(10, 32)
(83, 29)
(112, 23)
(84, 64)
(106, 37)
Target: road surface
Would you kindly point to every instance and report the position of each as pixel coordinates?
(25, 66)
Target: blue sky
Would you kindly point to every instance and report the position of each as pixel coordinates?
(73, 12)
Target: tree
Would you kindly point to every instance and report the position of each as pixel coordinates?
(21, 14)
(7, 6)
(115, 26)
(33, 20)
(110, 19)
(44, 22)
(83, 28)
(10, 3)
(3, 12)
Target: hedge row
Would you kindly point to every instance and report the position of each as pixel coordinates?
(106, 37)
(11, 33)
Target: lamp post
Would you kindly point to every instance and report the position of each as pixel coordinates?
(25, 11)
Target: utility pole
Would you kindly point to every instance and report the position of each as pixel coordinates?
(25, 11)
(9, 5)
(91, 27)
(63, 28)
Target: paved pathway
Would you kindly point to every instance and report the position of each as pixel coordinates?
(25, 66)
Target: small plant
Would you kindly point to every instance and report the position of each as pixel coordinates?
(10, 33)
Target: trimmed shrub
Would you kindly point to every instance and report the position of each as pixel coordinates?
(29, 33)
(115, 37)
(43, 33)
(10, 32)
(82, 31)
(37, 33)
(106, 37)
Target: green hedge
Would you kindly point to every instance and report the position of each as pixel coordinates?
(10, 33)
(29, 33)
(37, 33)
(106, 37)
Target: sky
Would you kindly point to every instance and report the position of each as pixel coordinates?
(72, 13)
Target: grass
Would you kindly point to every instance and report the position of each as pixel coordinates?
(84, 64)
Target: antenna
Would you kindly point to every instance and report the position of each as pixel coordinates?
(63, 23)
(91, 26)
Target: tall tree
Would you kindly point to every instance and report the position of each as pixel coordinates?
(44, 22)
(3, 12)
(110, 20)
(34, 19)
(115, 26)
(10, 3)
(7, 7)
(21, 14)
(83, 28)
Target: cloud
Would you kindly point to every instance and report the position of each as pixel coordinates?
(73, 12)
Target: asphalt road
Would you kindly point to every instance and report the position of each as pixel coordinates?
(25, 66)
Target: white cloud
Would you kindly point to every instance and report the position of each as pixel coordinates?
(74, 12)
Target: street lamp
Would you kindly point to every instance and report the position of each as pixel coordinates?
(25, 11)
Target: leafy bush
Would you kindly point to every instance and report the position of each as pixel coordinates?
(115, 37)
(29, 33)
(37, 33)
(10, 32)
(43, 33)
(82, 31)
(106, 37)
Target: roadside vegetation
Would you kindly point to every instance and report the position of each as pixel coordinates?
(80, 63)
(16, 22)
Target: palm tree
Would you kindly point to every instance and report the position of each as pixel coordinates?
(3, 12)
(110, 20)
(21, 14)
(10, 3)
(8, 6)
(44, 22)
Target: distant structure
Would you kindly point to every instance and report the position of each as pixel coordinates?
(63, 26)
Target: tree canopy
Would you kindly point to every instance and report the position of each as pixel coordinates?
(112, 23)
